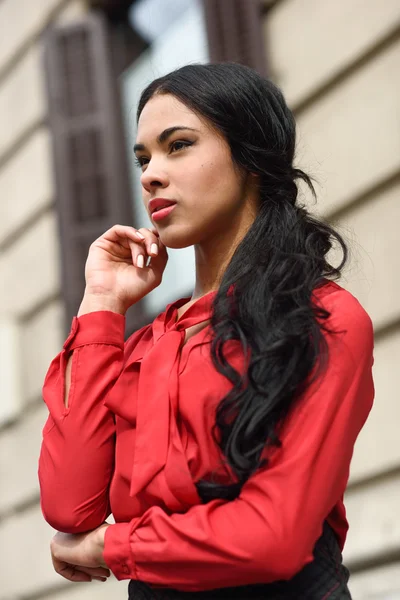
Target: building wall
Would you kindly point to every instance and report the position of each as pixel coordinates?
(30, 302)
(338, 62)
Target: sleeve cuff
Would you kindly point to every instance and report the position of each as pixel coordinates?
(100, 327)
(117, 552)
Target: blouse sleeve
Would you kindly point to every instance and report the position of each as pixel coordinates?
(77, 455)
(268, 533)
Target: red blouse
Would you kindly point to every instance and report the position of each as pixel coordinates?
(136, 436)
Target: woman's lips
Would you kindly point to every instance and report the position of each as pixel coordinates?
(157, 215)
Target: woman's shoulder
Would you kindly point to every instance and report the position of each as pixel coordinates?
(346, 313)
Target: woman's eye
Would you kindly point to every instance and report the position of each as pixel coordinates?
(179, 145)
(140, 161)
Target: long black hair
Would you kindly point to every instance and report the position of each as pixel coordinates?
(265, 299)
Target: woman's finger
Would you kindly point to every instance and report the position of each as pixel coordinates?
(139, 254)
(123, 233)
(80, 574)
(95, 571)
(118, 233)
(159, 262)
(151, 241)
(70, 572)
(151, 247)
(144, 243)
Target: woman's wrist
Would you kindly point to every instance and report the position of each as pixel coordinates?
(96, 302)
(99, 542)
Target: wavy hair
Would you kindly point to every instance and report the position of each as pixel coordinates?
(265, 300)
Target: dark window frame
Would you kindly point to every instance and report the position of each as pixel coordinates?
(235, 33)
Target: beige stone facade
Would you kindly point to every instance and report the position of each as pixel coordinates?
(338, 62)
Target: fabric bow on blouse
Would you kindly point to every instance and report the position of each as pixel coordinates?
(158, 438)
(153, 393)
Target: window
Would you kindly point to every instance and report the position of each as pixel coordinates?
(177, 36)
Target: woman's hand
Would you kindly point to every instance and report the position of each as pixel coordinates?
(79, 557)
(115, 270)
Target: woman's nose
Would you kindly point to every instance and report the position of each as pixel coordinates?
(154, 177)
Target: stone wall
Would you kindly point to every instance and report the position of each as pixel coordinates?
(337, 62)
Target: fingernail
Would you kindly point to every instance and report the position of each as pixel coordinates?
(154, 249)
(140, 261)
(140, 235)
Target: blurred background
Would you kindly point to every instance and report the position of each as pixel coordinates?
(71, 72)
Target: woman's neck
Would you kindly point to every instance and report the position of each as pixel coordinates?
(213, 256)
(214, 253)
(210, 268)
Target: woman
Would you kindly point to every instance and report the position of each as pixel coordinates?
(220, 436)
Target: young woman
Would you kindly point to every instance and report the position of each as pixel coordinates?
(219, 436)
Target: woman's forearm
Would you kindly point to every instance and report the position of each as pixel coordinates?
(78, 448)
(90, 303)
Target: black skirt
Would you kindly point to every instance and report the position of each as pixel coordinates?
(323, 579)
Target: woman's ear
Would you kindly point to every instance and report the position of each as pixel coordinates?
(253, 178)
(253, 188)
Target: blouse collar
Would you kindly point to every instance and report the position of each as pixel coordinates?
(198, 312)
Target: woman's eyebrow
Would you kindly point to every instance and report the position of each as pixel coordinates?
(164, 135)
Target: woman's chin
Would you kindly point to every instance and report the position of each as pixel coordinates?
(175, 240)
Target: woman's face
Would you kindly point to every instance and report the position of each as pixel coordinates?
(186, 162)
